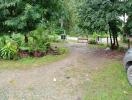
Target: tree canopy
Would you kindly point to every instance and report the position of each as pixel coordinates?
(25, 15)
(70, 15)
(104, 16)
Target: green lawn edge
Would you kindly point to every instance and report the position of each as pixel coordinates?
(30, 62)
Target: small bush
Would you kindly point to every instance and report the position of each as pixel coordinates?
(62, 50)
(92, 41)
(54, 38)
(18, 38)
(9, 51)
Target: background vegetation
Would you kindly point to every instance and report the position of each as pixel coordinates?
(31, 25)
(104, 16)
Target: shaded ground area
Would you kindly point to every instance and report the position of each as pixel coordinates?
(110, 54)
(68, 79)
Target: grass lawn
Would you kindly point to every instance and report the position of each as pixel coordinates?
(30, 62)
(109, 82)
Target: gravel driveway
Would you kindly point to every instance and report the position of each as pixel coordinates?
(61, 80)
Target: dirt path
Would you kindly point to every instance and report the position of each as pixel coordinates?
(61, 80)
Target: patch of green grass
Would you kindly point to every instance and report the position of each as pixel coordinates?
(108, 83)
(30, 62)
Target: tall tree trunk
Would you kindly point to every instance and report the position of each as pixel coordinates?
(26, 38)
(111, 42)
(129, 43)
(117, 42)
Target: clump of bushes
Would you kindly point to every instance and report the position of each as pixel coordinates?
(38, 45)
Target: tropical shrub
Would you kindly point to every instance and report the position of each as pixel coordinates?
(18, 38)
(38, 44)
(9, 51)
(1, 42)
(41, 40)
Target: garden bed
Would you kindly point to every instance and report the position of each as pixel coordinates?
(31, 62)
(50, 51)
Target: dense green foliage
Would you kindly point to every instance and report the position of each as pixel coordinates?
(30, 25)
(9, 51)
(104, 16)
(11, 46)
(128, 11)
(25, 15)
